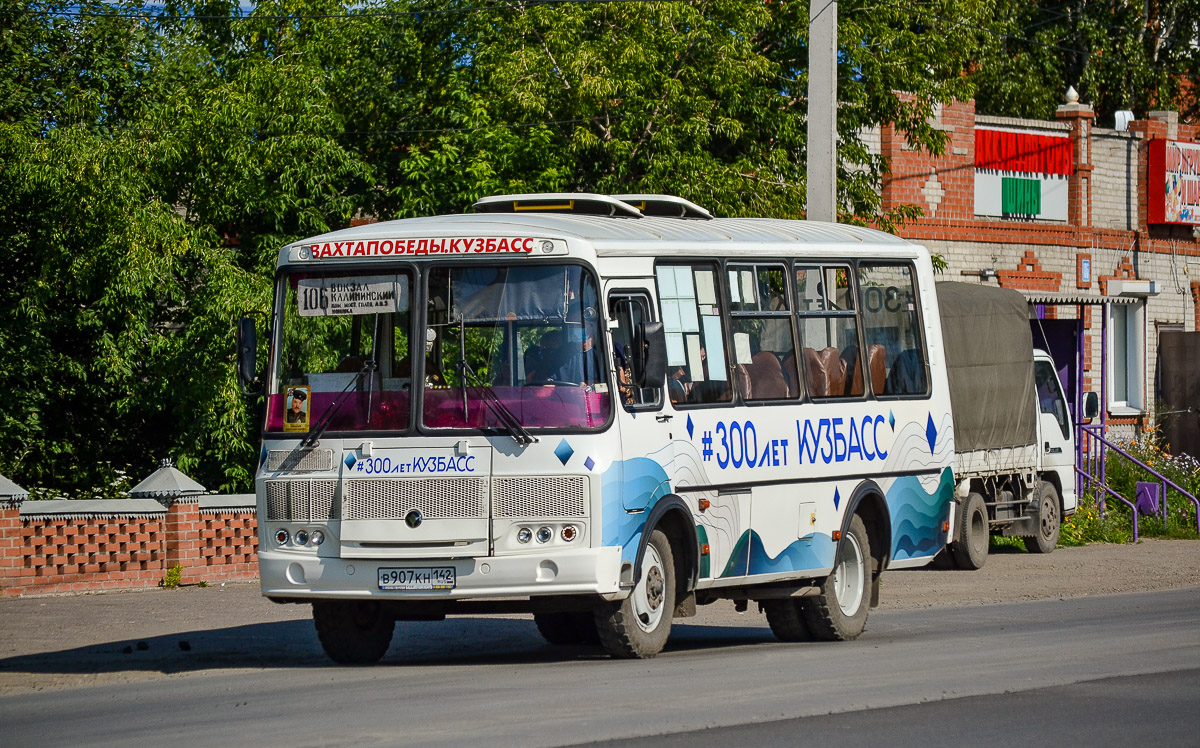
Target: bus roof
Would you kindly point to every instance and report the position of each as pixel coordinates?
(618, 235)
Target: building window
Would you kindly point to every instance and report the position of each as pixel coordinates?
(1126, 357)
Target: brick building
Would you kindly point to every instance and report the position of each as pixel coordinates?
(1097, 226)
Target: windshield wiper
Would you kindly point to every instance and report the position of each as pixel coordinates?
(327, 417)
(508, 420)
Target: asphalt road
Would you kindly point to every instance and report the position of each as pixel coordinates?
(1094, 670)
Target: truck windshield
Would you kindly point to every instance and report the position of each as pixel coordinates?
(343, 353)
(513, 345)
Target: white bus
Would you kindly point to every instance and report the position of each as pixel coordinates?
(603, 411)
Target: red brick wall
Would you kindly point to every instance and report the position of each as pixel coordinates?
(46, 555)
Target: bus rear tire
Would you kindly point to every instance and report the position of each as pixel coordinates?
(638, 626)
(971, 549)
(1048, 520)
(567, 629)
(786, 618)
(356, 632)
(839, 611)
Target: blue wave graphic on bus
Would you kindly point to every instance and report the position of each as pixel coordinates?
(637, 483)
(810, 554)
(917, 516)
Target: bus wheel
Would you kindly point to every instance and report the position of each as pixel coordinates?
(1048, 521)
(357, 632)
(971, 549)
(638, 626)
(839, 612)
(567, 629)
(786, 618)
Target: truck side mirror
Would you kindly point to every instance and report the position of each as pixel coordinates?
(648, 364)
(1091, 405)
(247, 354)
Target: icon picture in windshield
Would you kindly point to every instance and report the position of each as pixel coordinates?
(296, 401)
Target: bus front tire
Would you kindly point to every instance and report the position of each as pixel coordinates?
(638, 626)
(356, 632)
(839, 611)
(1048, 521)
(971, 549)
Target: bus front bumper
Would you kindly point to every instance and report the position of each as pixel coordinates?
(594, 571)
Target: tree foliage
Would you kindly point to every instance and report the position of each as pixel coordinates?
(153, 159)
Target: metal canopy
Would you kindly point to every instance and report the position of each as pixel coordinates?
(1038, 297)
(165, 482)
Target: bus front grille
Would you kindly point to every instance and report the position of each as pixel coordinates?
(535, 497)
(303, 500)
(300, 460)
(435, 498)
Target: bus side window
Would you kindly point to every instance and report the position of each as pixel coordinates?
(628, 310)
(888, 302)
(761, 324)
(830, 343)
(690, 305)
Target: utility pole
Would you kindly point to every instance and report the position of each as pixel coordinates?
(822, 110)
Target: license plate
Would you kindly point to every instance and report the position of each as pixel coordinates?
(420, 578)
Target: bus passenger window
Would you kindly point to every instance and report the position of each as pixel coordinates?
(761, 324)
(691, 316)
(888, 300)
(829, 341)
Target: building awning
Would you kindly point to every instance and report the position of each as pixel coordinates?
(1039, 297)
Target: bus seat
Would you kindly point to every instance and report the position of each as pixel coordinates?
(763, 378)
(835, 371)
(877, 365)
(789, 373)
(814, 374)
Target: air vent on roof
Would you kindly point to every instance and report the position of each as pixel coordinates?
(667, 206)
(558, 202)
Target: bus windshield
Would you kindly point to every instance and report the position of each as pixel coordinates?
(513, 347)
(343, 353)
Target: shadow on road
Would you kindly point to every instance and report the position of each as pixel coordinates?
(294, 644)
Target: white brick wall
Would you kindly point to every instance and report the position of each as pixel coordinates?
(1114, 180)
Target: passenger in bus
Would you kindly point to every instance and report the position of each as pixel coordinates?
(678, 385)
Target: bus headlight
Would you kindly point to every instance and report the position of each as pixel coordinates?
(301, 537)
(318, 537)
(281, 536)
(544, 534)
(524, 535)
(569, 533)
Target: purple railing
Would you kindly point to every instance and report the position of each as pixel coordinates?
(1093, 449)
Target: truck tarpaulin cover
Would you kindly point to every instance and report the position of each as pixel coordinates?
(989, 361)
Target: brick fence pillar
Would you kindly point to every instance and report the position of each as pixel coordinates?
(183, 541)
(12, 545)
(1079, 117)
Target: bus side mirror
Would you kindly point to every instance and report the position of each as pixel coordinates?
(247, 355)
(649, 360)
(1091, 405)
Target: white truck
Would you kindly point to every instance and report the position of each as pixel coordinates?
(1014, 462)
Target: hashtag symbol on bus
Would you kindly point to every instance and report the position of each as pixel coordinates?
(706, 442)
(359, 466)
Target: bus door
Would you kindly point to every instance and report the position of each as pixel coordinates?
(646, 429)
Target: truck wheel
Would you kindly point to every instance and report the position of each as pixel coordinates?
(567, 629)
(971, 549)
(839, 612)
(1048, 520)
(786, 618)
(356, 632)
(638, 626)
